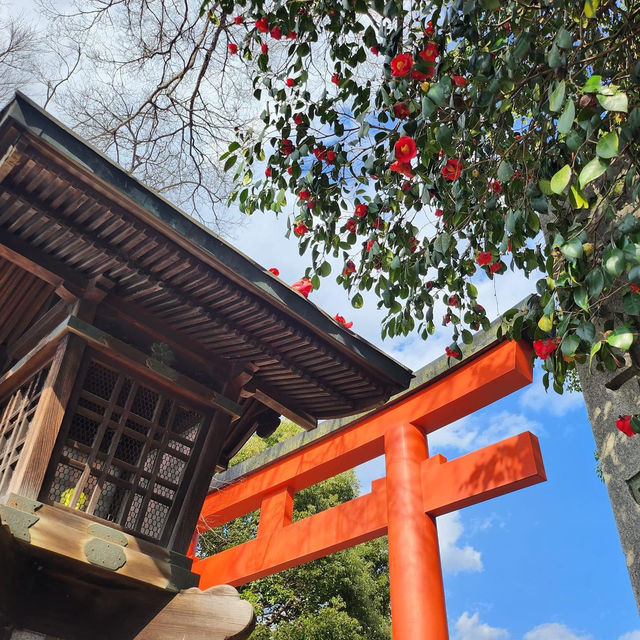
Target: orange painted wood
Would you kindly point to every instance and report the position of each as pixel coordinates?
(415, 573)
(276, 511)
(493, 375)
(447, 485)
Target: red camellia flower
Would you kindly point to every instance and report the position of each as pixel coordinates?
(349, 267)
(262, 24)
(495, 186)
(405, 149)
(451, 353)
(361, 210)
(292, 35)
(303, 286)
(319, 153)
(331, 156)
(438, 213)
(335, 78)
(635, 288)
(352, 225)
(400, 110)
(624, 424)
(459, 81)
(375, 50)
(267, 172)
(544, 348)
(238, 20)
(495, 267)
(300, 229)
(453, 301)
(287, 147)
(413, 244)
(274, 271)
(378, 223)
(452, 170)
(289, 170)
(276, 33)
(233, 48)
(298, 119)
(347, 325)
(304, 194)
(430, 52)
(404, 168)
(264, 48)
(401, 65)
(290, 82)
(484, 257)
(311, 204)
(370, 244)
(406, 186)
(419, 76)
(429, 30)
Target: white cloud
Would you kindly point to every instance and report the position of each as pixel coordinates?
(553, 631)
(456, 558)
(632, 635)
(473, 433)
(470, 628)
(535, 397)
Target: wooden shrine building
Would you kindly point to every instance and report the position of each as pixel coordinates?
(138, 352)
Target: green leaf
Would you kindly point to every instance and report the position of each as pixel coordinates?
(436, 94)
(593, 84)
(590, 8)
(581, 298)
(591, 171)
(616, 102)
(586, 331)
(607, 146)
(595, 282)
(614, 262)
(594, 349)
(561, 179)
(577, 199)
(557, 96)
(565, 121)
(231, 160)
(325, 269)
(564, 39)
(444, 135)
(357, 301)
(621, 338)
(569, 345)
(505, 171)
(634, 274)
(428, 107)
(572, 249)
(631, 303)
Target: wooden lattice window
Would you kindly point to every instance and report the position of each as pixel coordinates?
(124, 450)
(16, 413)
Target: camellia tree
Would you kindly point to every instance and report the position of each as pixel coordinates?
(422, 142)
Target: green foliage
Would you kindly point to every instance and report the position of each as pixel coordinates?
(344, 596)
(524, 115)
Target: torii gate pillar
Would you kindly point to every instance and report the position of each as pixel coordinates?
(415, 574)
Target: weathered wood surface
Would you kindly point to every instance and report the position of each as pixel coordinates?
(215, 614)
(60, 597)
(64, 531)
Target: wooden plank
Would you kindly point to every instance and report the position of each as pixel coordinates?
(215, 614)
(263, 394)
(37, 331)
(43, 431)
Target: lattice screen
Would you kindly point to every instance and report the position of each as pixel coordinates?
(16, 413)
(124, 452)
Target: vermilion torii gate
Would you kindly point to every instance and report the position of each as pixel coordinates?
(404, 504)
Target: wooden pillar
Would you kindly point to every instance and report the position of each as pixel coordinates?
(43, 431)
(417, 593)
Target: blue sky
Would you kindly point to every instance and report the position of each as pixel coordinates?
(543, 563)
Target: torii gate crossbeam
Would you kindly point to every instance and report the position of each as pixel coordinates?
(404, 504)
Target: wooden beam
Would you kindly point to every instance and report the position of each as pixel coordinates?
(261, 392)
(9, 160)
(43, 431)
